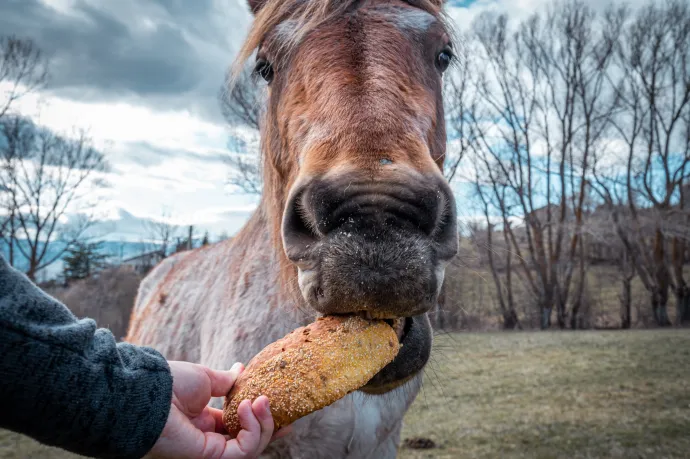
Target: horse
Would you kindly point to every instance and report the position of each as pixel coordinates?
(355, 215)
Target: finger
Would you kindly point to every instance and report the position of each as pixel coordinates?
(247, 441)
(262, 411)
(222, 381)
(218, 417)
(217, 446)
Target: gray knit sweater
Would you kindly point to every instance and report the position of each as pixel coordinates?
(66, 383)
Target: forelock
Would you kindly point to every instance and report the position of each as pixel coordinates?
(291, 20)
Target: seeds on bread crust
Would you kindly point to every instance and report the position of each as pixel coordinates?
(312, 367)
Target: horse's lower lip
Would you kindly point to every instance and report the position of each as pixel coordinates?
(413, 355)
(399, 325)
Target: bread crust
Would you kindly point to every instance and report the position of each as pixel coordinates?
(312, 367)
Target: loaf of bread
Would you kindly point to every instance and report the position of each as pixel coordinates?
(312, 367)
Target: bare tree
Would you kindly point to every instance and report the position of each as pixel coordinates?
(652, 81)
(162, 232)
(485, 114)
(23, 69)
(625, 298)
(18, 135)
(536, 107)
(458, 103)
(242, 107)
(46, 176)
(660, 59)
(244, 160)
(242, 104)
(579, 60)
(462, 107)
(502, 274)
(183, 244)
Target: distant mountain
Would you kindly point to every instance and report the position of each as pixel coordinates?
(124, 226)
(125, 236)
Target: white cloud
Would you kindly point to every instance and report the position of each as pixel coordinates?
(195, 188)
(190, 185)
(516, 9)
(124, 122)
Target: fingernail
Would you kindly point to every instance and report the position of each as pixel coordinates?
(236, 367)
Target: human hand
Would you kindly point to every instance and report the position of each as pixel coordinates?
(195, 431)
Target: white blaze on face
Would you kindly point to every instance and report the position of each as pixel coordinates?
(311, 136)
(411, 19)
(286, 30)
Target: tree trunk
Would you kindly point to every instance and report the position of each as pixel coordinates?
(561, 315)
(510, 319)
(659, 303)
(577, 303)
(680, 287)
(626, 303)
(11, 248)
(660, 293)
(574, 314)
(12, 237)
(545, 317)
(683, 305)
(685, 317)
(33, 264)
(190, 245)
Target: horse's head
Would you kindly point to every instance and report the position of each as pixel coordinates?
(354, 142)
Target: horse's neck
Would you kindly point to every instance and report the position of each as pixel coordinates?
(251, 306)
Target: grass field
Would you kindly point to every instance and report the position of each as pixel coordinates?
(538, 395)
(556, 395)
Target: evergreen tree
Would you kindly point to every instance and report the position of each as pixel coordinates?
(83, 259)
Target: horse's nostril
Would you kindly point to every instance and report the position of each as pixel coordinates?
(368, 206)
(299, 231)
(352, 207)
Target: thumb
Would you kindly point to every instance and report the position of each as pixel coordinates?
(222, 381)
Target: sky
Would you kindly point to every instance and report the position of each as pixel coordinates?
(143, 78)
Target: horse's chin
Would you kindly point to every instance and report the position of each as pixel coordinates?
(379, 272)
(416, 340)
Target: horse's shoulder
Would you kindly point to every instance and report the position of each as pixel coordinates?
(195, 264)
(170, 288)
(156, 276)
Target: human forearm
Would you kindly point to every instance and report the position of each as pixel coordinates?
(68, 384)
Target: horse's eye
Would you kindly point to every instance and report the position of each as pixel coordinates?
(264, 69)
(444, 59)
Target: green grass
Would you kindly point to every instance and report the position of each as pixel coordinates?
(538, 395)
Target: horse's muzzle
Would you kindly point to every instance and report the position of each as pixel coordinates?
(377, 245)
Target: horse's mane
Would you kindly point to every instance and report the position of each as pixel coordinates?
(307, 15)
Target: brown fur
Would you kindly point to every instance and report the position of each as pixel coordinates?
(355, 104)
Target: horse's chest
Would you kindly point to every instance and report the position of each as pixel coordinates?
(238, 326)
(357, 426)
